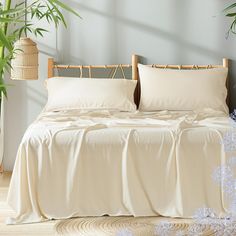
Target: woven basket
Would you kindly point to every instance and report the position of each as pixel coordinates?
(25, 63)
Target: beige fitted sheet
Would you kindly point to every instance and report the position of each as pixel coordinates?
(91, 163)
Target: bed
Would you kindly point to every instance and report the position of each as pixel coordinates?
(94, 162)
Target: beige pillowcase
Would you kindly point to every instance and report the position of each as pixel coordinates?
(168, 89)
(83, 93)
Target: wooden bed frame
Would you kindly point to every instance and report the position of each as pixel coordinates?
(135, 59)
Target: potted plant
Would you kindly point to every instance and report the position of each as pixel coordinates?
(21, 18)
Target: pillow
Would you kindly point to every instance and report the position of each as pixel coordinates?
(83, 93)
(169, 89)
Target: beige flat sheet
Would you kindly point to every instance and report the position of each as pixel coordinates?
(91, 163)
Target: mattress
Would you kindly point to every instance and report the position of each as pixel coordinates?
(93, 163)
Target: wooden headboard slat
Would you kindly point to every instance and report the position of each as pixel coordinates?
(186, 67)
(50, 67)
(226, 62)
(134, 67)
(90, 66)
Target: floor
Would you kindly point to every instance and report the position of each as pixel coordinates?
(23, 230)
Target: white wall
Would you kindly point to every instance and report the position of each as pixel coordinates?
(162, 31)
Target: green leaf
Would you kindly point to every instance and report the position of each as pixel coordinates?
(230, 7)
(231, 15)
(39, 31)
(232, 27)
(58, 12)
(42, 30)
(64, 6)
(8, 20)
(21, 31)
(2, 88)
(5, 41)
(3, 63)
(11, 11)
(51, 13)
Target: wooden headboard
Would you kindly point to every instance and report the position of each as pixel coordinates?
(135, 59)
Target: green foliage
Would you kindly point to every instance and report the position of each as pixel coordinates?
(38, 10)
(231, 12)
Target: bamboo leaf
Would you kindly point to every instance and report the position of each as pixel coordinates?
(42, 30)
(59, 13)
(5, 41)
(52, 15)
(230, 7)
(8, 20)
(11, 11)
(231, 15)
(64, 6)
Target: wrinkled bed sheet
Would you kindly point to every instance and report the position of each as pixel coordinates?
(91, 163)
